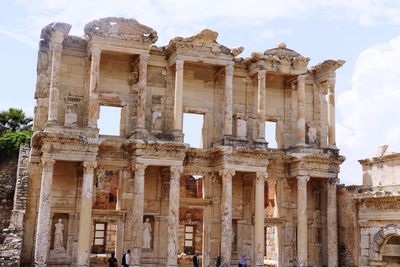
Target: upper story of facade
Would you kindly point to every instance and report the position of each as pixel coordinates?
(382, 172)
(116, 64)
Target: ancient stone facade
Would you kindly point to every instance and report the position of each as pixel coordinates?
(146, 190)
(372, 211)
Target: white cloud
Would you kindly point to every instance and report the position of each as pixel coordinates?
(171, 17)
(369, 110)
(19, 37)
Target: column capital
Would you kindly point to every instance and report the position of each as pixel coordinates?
(303, 178)
(229, 69)
(140, 168)
(94, 52)
(262, 175)
(332, 183)
(226, 174)
(330, 82)
(261, 73)
(48, 164)
(176, 170)
(56, 47)
(301, 78)
(179, 64)
(144, 58)
(89, 166)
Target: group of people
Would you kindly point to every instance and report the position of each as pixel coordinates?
(113, 262)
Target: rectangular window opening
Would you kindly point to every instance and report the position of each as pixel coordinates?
(110, 120)
(193, 129)
(270, 134)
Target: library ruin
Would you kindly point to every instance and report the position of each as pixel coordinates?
(148, 191)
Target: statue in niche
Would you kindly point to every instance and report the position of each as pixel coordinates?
(311, 132)
(147, 233)
(59, 236)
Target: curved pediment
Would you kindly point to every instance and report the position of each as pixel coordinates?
(121, 28)
(205, 43)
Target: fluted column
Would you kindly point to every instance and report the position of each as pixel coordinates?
(228, 99)
(85, 216)
(94, 108)
(332, 223)
(331, 112)
(56, 47)
(261, 105)
(259, 235)
(178, 100)
(173, 216)
(226, 217)
(43, 221)
(141, 104)
(137, 214)
(302, 241)
(301, 110)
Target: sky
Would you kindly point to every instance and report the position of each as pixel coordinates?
(364, 33)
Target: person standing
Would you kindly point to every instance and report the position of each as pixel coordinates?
(112, 261)
(195, 260)
(218, 263)
(126, 259)
(242, 262)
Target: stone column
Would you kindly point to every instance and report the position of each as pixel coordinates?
(56, 47)
(178, 100)
(44, 221)
(259, 234)
(228, 99)
(331, 112)
(302, 241)
(93, 115)
(141, 104)
(261, 105)
(226, 217)
(85, 216)
(301, 111)
(137, 214)
(173, 216)
(332, 223)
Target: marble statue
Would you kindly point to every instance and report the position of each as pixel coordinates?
(59, 236)
(147, 233)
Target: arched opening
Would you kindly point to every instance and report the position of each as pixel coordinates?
(385, 248)
(391, 251)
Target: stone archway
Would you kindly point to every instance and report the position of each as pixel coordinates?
(380, 239)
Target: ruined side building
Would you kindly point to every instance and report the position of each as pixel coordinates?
(145, 189)
(369, 221)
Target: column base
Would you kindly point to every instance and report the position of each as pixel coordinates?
(139, 134)
(301, 144)
(261, 144)
(178, 135)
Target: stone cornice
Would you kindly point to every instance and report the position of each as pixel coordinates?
(39, 138)
(55, 32)
(328, 67)
(376, 160)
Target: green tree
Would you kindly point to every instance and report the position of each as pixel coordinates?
(15, 130)
(14, 120)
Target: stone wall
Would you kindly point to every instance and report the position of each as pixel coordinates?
(8, 170)
(347, 226)
(14, 189)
